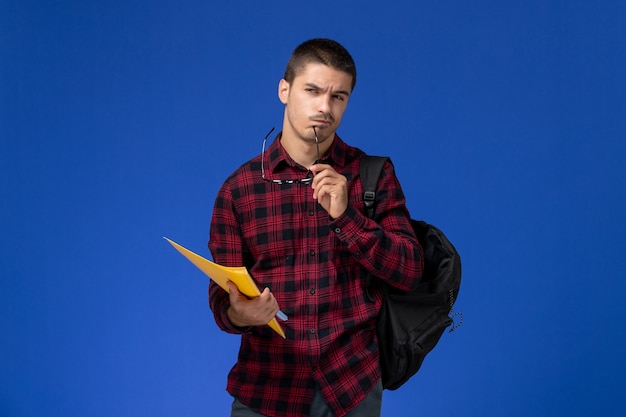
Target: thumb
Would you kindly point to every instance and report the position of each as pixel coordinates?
(233, 290)
(266, 293)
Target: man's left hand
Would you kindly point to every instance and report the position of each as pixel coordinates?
(330, 189)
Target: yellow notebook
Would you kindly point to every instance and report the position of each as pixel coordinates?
(221, 274)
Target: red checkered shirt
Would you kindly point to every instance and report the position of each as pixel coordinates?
(316, 268)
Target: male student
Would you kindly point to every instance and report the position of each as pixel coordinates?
(294, 216)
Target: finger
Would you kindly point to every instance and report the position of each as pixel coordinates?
(269, 301)
(266, 294)
(233, 290)
(325, 186)
(322, 170)
(317, 168)
(232, 287)
(323, 179)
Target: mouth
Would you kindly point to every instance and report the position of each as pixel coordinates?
(321, 122)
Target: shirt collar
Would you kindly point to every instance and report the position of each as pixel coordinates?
(277, 157)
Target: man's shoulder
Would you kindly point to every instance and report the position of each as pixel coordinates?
(241, 178)
(344, 154)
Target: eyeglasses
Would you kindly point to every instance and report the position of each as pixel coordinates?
(305, 180)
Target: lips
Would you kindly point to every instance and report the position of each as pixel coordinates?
(323, 122)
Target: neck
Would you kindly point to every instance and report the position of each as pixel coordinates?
(303, 153)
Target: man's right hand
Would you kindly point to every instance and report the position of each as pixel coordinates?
(244, 312)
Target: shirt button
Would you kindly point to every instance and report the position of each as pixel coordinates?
(312, 253)
(312, 331)
(311, 212)
(337, 230)
(312, 291)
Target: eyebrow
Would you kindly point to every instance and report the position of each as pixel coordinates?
(342, 92)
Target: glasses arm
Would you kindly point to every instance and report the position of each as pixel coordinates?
(263, 152)
(317, 145)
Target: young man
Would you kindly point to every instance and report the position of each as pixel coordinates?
(294, 216)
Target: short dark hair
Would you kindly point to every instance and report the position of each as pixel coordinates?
(322, 51)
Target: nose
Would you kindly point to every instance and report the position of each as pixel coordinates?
(324, 104)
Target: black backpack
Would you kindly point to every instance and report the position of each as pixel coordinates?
(411, 323)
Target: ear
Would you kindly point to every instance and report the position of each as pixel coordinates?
(283, 91)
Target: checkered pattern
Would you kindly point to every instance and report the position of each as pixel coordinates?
(316, 268)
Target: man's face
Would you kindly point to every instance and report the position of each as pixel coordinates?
(317, 97)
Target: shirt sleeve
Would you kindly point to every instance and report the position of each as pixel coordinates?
(386, 245)
(227, 248)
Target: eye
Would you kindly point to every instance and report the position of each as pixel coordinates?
(311, 90)
(339, 97)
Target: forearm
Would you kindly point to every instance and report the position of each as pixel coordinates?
(220, 305)
(224, 236)
(390, 251)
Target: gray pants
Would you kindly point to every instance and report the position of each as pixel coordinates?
(369, 407)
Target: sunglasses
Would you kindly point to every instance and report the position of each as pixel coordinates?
(305, 180)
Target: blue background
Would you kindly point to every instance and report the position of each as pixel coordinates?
(120, 120)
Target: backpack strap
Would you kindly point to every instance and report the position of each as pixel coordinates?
(370, 169)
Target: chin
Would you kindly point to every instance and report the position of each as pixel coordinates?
(324, 132)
